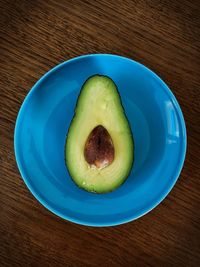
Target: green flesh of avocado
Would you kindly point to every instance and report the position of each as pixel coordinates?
(99, 146)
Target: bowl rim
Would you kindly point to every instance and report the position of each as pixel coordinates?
(117, 221)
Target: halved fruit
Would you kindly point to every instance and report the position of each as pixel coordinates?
(99, 146)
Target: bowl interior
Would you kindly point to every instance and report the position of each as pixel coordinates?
(158, 130)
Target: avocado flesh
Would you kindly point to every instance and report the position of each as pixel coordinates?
(99, 104)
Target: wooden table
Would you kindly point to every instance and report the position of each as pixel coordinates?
(37, 35)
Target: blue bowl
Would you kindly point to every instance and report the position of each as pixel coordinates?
(156, 121)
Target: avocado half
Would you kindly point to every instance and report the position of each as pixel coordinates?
(99, 145)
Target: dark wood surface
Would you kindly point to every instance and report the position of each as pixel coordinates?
(37, 35)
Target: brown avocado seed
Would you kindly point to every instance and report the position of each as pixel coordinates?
(99, 149)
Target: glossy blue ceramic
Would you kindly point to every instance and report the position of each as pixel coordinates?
(157, 125)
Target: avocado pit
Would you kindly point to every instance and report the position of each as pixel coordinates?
(99, 149)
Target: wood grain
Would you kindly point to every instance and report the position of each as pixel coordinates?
(37, 35)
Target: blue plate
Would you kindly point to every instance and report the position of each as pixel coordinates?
(156, 121)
